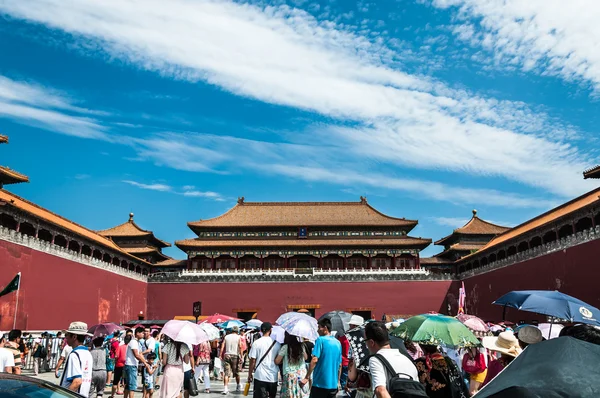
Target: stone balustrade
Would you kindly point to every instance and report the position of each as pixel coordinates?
(34, 243)
(547, 248)
(294, 275)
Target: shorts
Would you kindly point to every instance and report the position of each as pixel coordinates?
(110, 364)
(479, 377)
(149, 385)
(130, 377)
(264, 389)
(317, 392)
(118, 375)
(187, 376)
(231, 365)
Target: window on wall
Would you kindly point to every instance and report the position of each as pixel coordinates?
(405, 262)
(381, 262)
(274, 262)
(333, 263)
(357, 262)
(250, 262)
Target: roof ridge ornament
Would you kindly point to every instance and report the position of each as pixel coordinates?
(363, 200)
(130, 217)
(240, 200)
(474, 213)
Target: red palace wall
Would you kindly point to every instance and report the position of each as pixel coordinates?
(56, 291)
(166, 300)
(574, 271)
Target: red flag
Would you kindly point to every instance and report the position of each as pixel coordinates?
(462, 298)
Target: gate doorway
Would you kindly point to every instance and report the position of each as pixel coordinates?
(365, 314)
(247, 315)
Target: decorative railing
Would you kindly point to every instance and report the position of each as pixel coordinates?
(294, 275)
(34, 243)
(547, 248)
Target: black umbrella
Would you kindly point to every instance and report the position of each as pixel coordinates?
(563, 367)
(356, 338)
(340, 321)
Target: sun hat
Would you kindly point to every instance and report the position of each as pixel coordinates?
(356, 320)
(79, 328)
(235, 329)
(529, 334)
(505, 342)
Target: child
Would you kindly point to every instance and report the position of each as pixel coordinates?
(148, 374)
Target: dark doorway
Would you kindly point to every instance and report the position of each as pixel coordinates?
(307, 311)
(365, 314)
(246, 316)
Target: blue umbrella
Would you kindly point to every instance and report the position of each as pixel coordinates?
(231, 323)
(552, 303)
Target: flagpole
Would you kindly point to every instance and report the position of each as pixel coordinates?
(17, 303)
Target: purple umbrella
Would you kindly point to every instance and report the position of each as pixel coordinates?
(104, 329)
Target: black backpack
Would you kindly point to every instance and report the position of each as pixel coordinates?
(401, 387)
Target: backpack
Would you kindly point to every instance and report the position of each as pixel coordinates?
(400, 387)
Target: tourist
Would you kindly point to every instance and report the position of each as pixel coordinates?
(174, 355)
(14, 340)
(292, 356)
(243, 351)
(113, 345)
(378, 342)
(508, 346)
(7, 360)
(202, 354)
(77, 376)
(440, 374)
(262, 369)
(39, 352)
(588, 333)
(55, 348)
(148, 375)
(188, 372)
(157, 351)
(132, 360)
(120, 358)
(345, 352)
(63, 356)
(473, 364)
(528, 335)
(98, 368)
(230, 353)
(326, 363)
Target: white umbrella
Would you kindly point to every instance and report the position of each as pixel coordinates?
(185, 332)
(211, 330)
(302, 327)
(255, 323)
(278, 334)
(548, 333)
(293, 315)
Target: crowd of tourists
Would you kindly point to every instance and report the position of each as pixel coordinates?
(361, 360)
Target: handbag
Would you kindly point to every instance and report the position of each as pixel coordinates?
(193, 387)
(475, 365)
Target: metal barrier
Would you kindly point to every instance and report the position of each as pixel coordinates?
(54, 346)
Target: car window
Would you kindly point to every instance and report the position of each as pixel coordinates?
(11, 388)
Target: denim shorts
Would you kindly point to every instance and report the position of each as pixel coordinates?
(130, 377)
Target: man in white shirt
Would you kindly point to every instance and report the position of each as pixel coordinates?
(378, 342)
(262, 355)
(230, 353)
(7, 360)
(132, 360)
(78, 370)
(63, 356)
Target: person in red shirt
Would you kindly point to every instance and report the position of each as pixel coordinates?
(345, 360)
(120, 356)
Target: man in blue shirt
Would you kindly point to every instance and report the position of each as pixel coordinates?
(326, 363)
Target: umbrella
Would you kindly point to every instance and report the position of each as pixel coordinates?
(255, 323)
(360, 352)
(475, 325)
(104, 329)
(278, 334)
(301, 325)
(436, 329)
(563, 367)
(231, 323)
(211, 330)
(550, 331)
(552, 303)
(340, 321)
(185, 332)
(218, 318)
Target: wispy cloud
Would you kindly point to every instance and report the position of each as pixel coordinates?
(283, 55)
(188, 190)
(550, 37)
(457, 222)
(32, 104)
(82, 176)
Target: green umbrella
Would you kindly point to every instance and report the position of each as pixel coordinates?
(435, 329)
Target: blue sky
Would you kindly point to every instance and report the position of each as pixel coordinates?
(172, 110)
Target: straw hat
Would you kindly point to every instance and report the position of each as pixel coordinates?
(505, 342)
(530, 335)
(80, 328)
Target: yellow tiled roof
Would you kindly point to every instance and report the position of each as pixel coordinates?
(131, 229)
(9, 176)
(475, 226)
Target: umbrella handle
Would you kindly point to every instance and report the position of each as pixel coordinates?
(504, 313)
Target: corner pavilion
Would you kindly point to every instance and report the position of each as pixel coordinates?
(303, 235)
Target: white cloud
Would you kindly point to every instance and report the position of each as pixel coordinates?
(554, 37)
(312, 163)
(457, 222)
(284, 56)
(34, 105)
(200, 194)
(151, 187)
